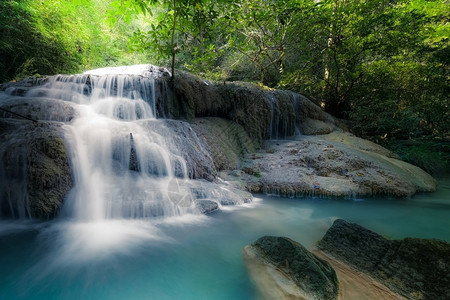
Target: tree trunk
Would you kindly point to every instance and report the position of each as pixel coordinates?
(173, 37)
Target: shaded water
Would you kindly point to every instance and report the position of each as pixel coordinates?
(190, 257)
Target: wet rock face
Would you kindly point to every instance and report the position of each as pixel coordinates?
(264, 114)
(20, 88)
(35, 172)
(227, 141)
(199, 162)
(414, 268)
(290, 271)
(227, 121)
(42, 109)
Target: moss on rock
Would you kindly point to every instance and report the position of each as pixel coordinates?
(415, 268)
(227, 141)
(36, 172)
(280, 261)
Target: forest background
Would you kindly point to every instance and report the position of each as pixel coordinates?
(380, 65)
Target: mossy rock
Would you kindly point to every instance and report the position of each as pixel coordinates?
(36, 174)
(415, 268)
(227, 141)
(286, 261)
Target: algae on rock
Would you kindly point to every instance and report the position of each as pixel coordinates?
(284, 269)
(415, 268)
(35, 172)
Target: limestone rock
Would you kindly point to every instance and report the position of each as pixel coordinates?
(338, 164)
(414, 268)
(227, 121)
(43, 109)
(262, 112)
(34, 170)
(199, 162)
(206, 206)
(20, 87)
(312, 120)
(227, 141)
(284, 269)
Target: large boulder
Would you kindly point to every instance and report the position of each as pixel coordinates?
(284, 269)
(415, 268)
(35, 174)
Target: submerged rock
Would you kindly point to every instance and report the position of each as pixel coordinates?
(284, 269)
(415, 268)
(207, 206)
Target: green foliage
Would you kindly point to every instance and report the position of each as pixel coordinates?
(432, 156)
(26, 46)
(54, 36)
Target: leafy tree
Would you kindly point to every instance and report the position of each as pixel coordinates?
(55, 36)
(177, 27)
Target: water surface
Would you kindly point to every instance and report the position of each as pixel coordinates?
(189, 257)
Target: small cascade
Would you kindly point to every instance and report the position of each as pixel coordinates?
(273, 117)
(14, 191)
(89, 89)
(284, 111)
(122, 168)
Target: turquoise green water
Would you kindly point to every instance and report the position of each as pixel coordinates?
(195, 257)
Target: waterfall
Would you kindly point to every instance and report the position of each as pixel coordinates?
(123, 166)
(284, 110)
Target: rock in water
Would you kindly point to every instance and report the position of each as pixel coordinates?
(284, 269)
(414, 268)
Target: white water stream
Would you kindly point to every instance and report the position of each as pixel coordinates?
(123, 167)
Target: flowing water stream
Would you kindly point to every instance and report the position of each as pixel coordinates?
(123, 167)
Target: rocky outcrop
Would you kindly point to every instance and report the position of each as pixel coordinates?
(338, 164)
(262, 112)
(34, 171)
(284, 269)
(414, 268)
(43, 109)
(227, 141)
(325, 160)
(227, 123)
(20, 87)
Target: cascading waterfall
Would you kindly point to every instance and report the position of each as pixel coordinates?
(123, 168)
